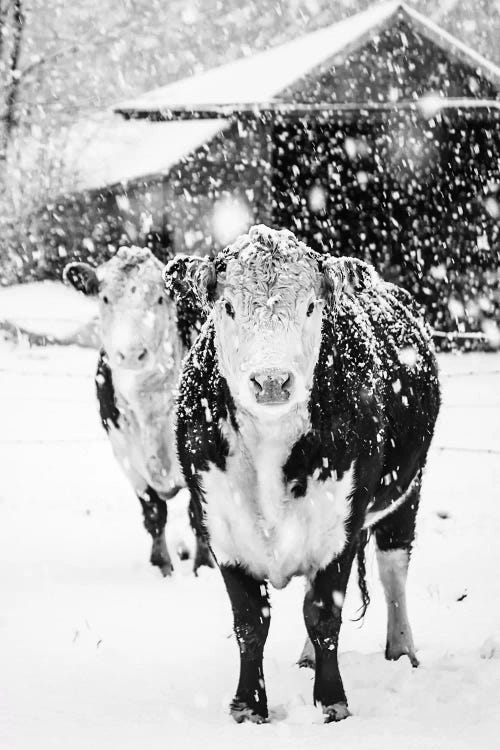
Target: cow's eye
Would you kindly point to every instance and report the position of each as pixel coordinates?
(310, 309)
(229, 309)
(105, 299)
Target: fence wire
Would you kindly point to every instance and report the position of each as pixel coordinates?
(88, 440)
(76, 374)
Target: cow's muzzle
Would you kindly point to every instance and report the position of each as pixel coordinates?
(133, 358)
(271, 386)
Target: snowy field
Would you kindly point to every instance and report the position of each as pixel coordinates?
(98, 652)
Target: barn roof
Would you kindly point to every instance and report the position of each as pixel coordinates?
(109, 150)
(112, 150)
(259, 81)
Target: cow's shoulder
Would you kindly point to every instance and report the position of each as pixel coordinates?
(108, 408)
(397, 320)
(409, 385)
(190, 316)
(348, 373)
(346, 415)
(393, 323)
(204, 403)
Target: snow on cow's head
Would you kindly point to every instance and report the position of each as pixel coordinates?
(134, 308)
(267, 294)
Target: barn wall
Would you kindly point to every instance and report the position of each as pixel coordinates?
(204, 202)
(220, 187)
(397, 64)
(418, 198)
(90, 226)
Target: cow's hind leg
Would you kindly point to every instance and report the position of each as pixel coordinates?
(203, 554)
(394, 536)
(155, 518)
(250, 604)
(307, 657)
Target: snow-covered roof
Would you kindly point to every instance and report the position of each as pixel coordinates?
(109, 150)
(260, 78)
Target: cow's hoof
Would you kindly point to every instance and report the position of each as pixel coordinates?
(202, 564)
(336, 712)
(307, 662)
(241, 712)
(160, 558)
(166, 570)
(395, 654)
(308, 656)
(165, 566)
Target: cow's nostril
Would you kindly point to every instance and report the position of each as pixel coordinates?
(272, 386)
(257, 386)
(142, 355)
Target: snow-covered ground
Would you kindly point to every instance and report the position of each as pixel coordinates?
(98, 652)
(47, 307)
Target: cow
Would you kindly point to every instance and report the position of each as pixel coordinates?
(305, 413)
(144, 337)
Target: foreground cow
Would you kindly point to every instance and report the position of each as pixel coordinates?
(306, 410)
(144, 337)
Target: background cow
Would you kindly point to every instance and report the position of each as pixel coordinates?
(144, 337)
(306, 409)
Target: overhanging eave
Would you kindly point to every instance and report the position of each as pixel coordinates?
(426, 107)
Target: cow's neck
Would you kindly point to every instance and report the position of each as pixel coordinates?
(266, 446)
(145, 400)
(148, 393)
(141, 393)
(287, 428)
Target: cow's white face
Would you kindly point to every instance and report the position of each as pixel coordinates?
(267, 317)
(268, 293)
(134, 308)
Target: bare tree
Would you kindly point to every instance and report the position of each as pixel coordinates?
(11, 34)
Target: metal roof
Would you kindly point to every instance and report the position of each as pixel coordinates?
(254, 83)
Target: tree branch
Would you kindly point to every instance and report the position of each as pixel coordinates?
(13, 76)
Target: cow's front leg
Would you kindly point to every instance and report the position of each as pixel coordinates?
(251, 612)
(323, 617)
(155, 518)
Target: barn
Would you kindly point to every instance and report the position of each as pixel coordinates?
(375, 137)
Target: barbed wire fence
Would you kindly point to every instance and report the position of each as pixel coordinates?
(94, 439)
(45, 339)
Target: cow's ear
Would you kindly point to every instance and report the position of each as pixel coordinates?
(191, 273)
(346, 276)
(83, 277)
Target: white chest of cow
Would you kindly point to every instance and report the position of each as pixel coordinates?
(254, 520)
(144, 441)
